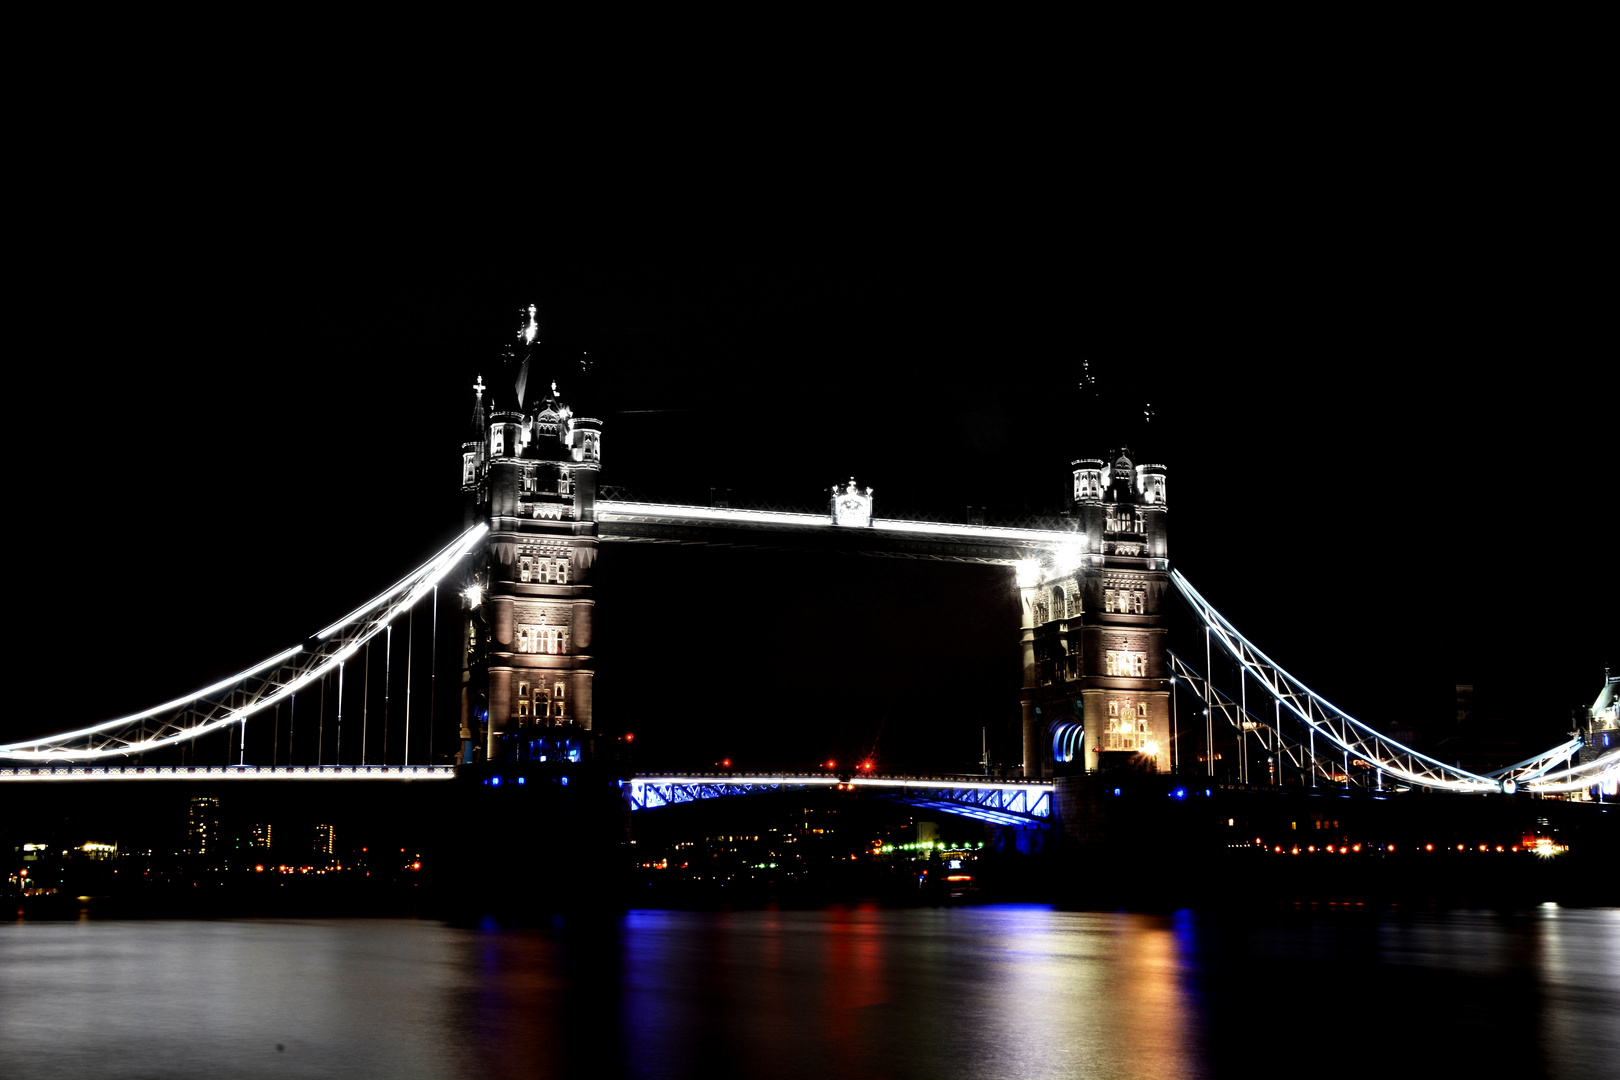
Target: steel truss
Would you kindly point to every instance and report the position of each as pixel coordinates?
(1354, 740)
(233, 700)
(1021, 804)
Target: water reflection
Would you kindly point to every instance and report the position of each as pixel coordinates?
(1007, 991)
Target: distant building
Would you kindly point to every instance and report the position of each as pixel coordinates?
(202, 832)
(261, 836)
(1096, 682)
(325, 840)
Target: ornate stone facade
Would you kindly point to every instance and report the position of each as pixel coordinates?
(1096, 680)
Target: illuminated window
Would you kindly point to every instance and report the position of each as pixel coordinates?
(468, 468)
(543, 571)
(1133, 664)
(1060, 603)
(523, 699)
(1125, 601)
(1127, 726)
(1042, 613)
(497, 440)
(541, 639)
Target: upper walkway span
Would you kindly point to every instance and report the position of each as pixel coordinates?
(667, 523)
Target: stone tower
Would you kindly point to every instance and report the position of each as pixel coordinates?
(529, 468)
(1096, 679)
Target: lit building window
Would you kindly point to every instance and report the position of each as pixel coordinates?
(523, 699)
(1125, 521)
(1125, 601)
(1127, 726)
(1133, 664)
(497, 440)
(543, 571)
(551, 640)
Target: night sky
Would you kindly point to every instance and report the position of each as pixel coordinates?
(1382, 384)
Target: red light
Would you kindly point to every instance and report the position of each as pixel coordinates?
(866, 766)
(629, 736)
(416, 866)
(725, 763)
(832, 764)
(259, 869)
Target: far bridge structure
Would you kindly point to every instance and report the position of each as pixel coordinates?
(1103, 693)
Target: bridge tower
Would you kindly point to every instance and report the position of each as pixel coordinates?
(529, 469)
(1096, 679)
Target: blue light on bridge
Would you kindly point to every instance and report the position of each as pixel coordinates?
(1116, 791)
(565, 781)
(520, 781)
(1179, 794)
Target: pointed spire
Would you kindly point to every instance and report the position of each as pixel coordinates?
(529, 335)
(479, 418)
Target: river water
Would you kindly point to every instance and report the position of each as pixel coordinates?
(1015, 991)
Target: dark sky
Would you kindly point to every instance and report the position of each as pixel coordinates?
(1380, 364)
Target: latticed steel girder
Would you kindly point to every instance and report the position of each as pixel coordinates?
(233, 700)
(1353, 738)
(1021, 803)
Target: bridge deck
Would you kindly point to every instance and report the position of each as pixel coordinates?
(228, 772)
(1021, 803)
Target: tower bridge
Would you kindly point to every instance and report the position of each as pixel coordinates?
(1101, 689)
